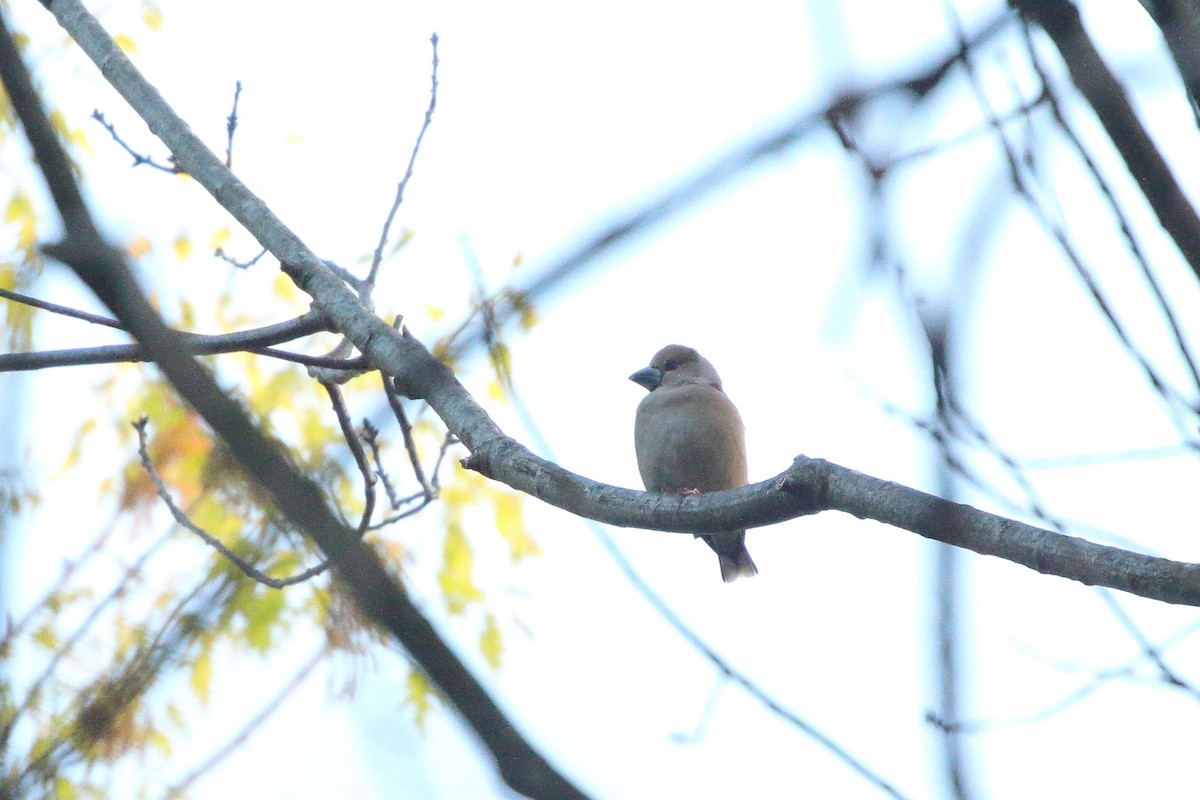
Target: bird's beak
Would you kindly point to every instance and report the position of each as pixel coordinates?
(648, 378)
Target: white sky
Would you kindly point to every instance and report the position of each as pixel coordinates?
(554, 118)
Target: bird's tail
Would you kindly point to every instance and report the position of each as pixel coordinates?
(736, 563)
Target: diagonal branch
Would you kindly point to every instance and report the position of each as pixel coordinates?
(1060, 20)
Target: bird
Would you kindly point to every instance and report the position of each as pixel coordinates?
(689, 439)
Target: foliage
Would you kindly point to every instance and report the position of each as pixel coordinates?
(90, 687)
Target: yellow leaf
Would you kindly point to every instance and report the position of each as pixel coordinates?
(456, 578)
(187, 315)
(419, 694)
(64, 789)
(126, 43)
(210, 515)
(201, 679)
(284, 288)
(496, 392)
(262, 612)
(315, 432)
(183, 247)
(520, 303)
(463, 488)
(20, 210)
(58, 121)
(489, 642)
(501, 359)
(160, 741)
(510, 521)
(152, 15)
(434, 312)
(405, 237)
(77, 446)
(76, 136)
(128, 636)
(139, 247)
(46, 637)
(220, 238)
(175, 715)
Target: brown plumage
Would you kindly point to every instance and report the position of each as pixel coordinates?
(689, 439)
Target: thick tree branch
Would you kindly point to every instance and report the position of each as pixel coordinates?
(1179, 21)
(812, 485)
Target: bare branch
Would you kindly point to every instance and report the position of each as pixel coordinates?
(231, 123)
(228, 259)
(426, 495)
(1149, 170)
(256, 340)
(408, 173)
(394, 401)
(177, 789)
(1110, 198)
(356, 449)
(370, 437)
(138, 159)
(248, 569)
(55, 308)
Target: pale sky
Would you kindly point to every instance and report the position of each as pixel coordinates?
(555, 119)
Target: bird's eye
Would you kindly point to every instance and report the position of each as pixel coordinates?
(670, 365)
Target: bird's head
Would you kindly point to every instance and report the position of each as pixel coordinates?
(676, 365)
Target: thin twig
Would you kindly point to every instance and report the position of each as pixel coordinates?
(356, 449)
(256, 340)
(247, 569)
(424, 498)
(1153, 654)
(231, 126)
(253, 724)
(55, 308)
(228, 259)
(138, 159)
(370, 437)
(64, 649)
(1114, 206)
(397, 406)
(412, 160)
